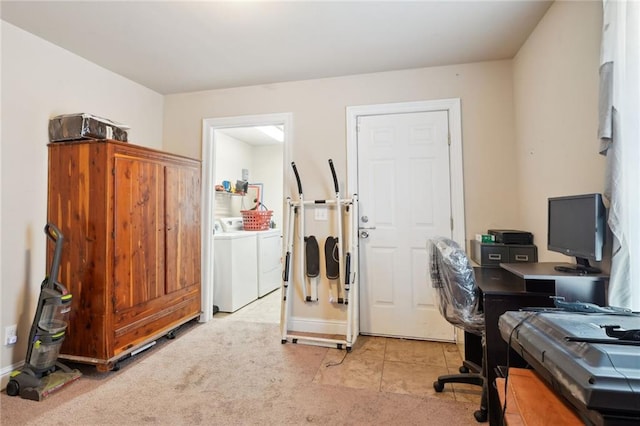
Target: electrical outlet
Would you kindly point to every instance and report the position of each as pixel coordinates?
(321, 213)
(11, 334)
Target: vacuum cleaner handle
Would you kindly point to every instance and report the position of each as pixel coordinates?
(335, 178)
(295, 171)
(54, 234)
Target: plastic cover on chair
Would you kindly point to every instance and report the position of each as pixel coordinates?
(452, 276)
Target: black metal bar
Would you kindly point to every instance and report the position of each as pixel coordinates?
(295, 171)
(347, 263)
(602, 341)
(286, 269)
(335, 178)
(54, 234)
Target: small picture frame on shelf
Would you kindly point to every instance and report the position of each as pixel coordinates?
(254, 191)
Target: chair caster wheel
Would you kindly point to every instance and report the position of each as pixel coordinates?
(437, 386)
(480, 416)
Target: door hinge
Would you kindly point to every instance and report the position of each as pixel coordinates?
(451, 223)
(449, 138)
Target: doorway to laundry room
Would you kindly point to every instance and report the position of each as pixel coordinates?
(243, 161)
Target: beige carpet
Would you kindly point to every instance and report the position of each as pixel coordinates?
(228, 372)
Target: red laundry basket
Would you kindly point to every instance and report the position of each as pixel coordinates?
(256, 220)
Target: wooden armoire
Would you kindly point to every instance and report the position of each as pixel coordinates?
(130, 217)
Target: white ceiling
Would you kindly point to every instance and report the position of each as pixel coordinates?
(250, 135)
(184, 46)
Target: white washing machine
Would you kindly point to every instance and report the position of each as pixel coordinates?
(269, 260)
(235, 266)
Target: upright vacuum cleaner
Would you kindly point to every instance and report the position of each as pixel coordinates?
(42, 374)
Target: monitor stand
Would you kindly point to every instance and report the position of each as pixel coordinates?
(581, 267)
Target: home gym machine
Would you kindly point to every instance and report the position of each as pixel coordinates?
(341, 265)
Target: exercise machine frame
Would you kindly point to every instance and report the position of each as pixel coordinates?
(348, 262)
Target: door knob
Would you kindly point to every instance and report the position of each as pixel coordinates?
(365, 219)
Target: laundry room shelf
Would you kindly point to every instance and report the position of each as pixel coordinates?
(231, 194)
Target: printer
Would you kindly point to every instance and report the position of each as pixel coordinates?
(592, 359)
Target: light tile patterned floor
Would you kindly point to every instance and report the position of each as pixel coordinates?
(377, 363)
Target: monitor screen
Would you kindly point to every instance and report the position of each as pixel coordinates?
(576, 227)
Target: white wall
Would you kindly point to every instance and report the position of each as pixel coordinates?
(39, 81)
(231, 156)
(267, 169)
(556, 95)
(265, 166)
(319, 130)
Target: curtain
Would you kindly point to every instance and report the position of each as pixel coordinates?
(619, 133)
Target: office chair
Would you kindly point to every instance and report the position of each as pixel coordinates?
(458, 299)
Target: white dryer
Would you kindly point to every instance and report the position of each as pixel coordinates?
(235, 266)
(269, 260)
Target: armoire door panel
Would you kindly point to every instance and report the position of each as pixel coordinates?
(139, 232)
(182, 210)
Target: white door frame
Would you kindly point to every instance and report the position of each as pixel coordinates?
(452, 107)
(209, 125)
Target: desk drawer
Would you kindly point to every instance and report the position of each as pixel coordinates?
(489, 254)
(493, 254)
(523, 254)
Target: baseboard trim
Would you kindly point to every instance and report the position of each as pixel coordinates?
(310, 325)
(6, 371)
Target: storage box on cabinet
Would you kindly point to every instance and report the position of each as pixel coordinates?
(70, 127)
(493, 254)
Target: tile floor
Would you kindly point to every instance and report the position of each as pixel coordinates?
(377, 363)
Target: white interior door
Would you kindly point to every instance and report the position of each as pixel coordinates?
(404, 190)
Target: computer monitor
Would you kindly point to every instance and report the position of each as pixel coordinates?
(576, 227)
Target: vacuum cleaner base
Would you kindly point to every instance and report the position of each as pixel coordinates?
(28, 386)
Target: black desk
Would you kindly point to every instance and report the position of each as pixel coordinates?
(509, 290)
(543, 278)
